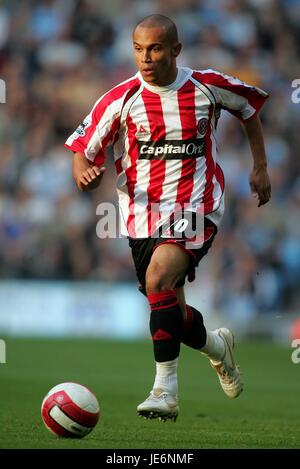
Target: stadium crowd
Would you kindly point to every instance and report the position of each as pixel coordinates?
(58, 56)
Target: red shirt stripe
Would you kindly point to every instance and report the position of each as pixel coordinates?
(186, 103)
(155, 117)
(210, 169)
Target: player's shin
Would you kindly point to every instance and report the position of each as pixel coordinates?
(194, 332)
(166, 324)
(196, 336)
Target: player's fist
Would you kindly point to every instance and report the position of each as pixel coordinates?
(260, 185)
(90, 178)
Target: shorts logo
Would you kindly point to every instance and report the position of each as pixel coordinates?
(202, 126)
(171, 149)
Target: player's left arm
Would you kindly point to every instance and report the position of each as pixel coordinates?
(259, 178)
(244, 101)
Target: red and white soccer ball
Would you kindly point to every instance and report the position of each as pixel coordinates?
(70, 410)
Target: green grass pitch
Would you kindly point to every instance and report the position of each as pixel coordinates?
(266, 415)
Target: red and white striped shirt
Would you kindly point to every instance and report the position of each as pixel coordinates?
(164, 144)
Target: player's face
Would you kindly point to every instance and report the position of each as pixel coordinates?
(155, 56)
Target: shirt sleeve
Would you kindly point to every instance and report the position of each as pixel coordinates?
(97, 131)
(242, 100)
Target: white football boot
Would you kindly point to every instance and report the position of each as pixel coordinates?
(228, 373)
(160, 404)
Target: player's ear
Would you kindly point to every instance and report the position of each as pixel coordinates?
(176, 49)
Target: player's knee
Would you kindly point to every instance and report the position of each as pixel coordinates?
(158, 280)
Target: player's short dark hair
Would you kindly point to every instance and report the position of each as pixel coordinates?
(153, 21)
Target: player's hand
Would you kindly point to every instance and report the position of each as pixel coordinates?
(260, 185)
(90, 178)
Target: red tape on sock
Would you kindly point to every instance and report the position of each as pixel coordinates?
(162, 300)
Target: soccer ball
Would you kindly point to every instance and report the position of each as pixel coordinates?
(70, 410)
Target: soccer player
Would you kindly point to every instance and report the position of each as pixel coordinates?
(161, 124)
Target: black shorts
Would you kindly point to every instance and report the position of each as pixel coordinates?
(143, 248)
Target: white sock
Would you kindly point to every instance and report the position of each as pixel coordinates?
(166, 376)
(214, 348)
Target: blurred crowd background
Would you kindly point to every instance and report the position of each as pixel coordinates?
(58, 56)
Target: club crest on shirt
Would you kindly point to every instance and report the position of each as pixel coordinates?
(202, 126)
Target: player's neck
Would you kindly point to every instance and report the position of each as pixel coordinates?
(169, 78)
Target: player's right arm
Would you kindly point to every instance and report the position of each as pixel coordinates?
(99, 129)
(86, 175)
(90, 140)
